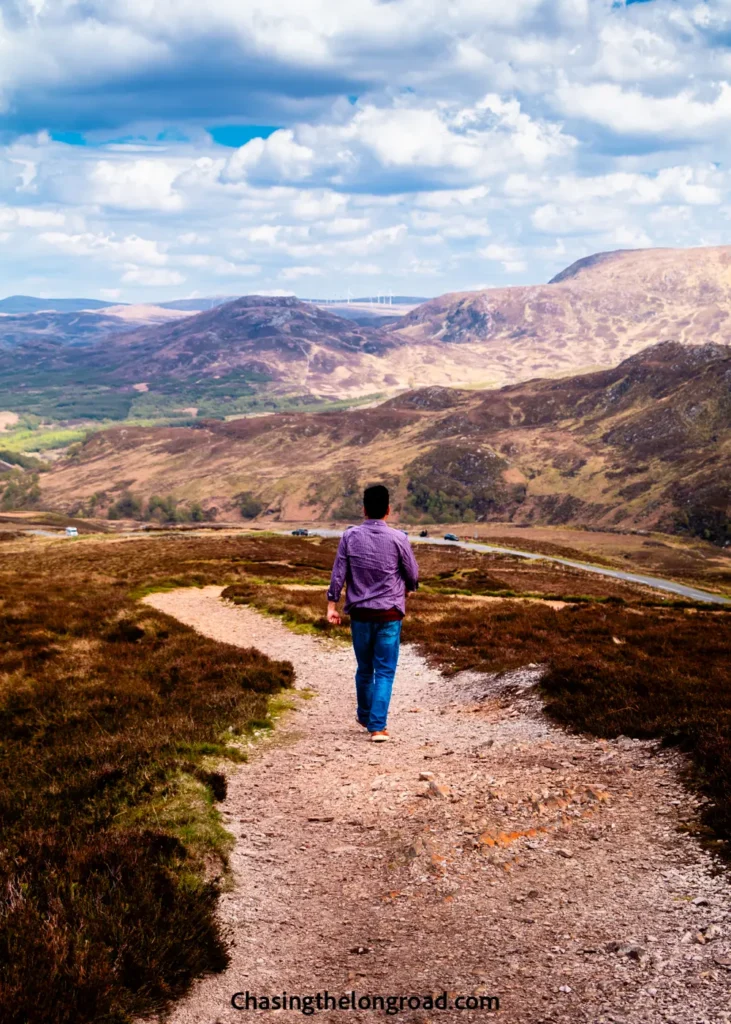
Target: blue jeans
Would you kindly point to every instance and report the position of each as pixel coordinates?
(376, 646)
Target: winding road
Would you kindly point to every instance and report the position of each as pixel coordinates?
(656, 582)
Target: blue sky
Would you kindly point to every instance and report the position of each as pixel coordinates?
(152, 149)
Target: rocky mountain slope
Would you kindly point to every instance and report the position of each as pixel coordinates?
(646, 444)
(596, 312)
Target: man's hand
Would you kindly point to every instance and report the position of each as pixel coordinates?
(333, 615)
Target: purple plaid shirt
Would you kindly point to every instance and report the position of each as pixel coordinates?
(377, 566)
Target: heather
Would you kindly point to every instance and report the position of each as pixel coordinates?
(114, 721)
(117, 724)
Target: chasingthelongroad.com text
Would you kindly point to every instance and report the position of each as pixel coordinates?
(317, 1002)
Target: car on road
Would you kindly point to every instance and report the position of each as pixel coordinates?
(301, 532)
(451, 536)
(424, 533)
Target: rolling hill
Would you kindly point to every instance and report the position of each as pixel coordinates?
(280, 339)
(644, 445)
(33, 304)
(59, 365)
(27, 332)
(259, 351)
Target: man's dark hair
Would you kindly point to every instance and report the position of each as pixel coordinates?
(376, 501)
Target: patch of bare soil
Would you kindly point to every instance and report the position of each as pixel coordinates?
(483, 851)
(7, 420)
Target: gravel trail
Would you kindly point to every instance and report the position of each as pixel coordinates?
(484, 852)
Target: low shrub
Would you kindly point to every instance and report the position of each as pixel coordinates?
(112, 850)
(248, 505)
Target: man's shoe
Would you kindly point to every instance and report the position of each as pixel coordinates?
(380, 737)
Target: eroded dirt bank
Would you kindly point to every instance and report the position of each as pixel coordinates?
(483, 851)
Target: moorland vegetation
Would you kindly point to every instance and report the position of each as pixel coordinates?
(115, 722)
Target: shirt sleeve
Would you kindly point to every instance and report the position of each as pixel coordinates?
(409, 567)
(340, 567)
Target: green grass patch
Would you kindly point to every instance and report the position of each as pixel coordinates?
(257, 724)
(42, 440)
(185, 807)
(281, 704)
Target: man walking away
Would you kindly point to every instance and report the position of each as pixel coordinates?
(379, 570)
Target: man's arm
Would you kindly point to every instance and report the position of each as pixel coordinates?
(409, 567)
(337, 580)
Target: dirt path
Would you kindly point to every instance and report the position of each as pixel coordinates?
(544, 868)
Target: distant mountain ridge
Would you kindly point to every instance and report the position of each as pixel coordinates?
(600, 310)
(197, 305)
(26, 332)
(292, 344)
(21, 304)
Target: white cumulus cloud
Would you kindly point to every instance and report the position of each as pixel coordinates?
(152, 278)
(406, 144)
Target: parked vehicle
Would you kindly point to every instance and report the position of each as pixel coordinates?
(451, 536)
(301, 532)
(71, 531)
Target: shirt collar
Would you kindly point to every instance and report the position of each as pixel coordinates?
(374, 522)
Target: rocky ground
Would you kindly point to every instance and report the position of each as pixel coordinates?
(483, 852)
